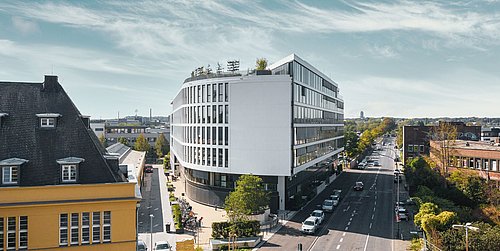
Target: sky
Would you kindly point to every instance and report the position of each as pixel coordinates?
(389, 58)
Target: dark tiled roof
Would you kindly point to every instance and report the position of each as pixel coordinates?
(22, 137)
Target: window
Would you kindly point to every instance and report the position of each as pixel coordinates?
(96, 227)
(10, 175)
(75, 222)
(23, 232)
(47, 122)
(422, 148)
(11, 233)
(226, 98)
(85, 228)
(221, 92)
(410, 148)
(1, 233)
(107, 226)
(68, 173)
(226, 114)
(220, 157)
(63, 230)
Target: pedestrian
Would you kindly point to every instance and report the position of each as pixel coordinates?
(201, 218)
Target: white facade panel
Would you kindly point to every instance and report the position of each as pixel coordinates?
(260, 125)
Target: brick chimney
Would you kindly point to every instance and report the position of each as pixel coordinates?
(50, 83)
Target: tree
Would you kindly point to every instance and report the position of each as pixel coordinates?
(102, 139)
(161, 145)
(473, 186)
(444, 136)
(141, 144)
(249, 197)
(261, 64)
(351, 140)
(123, 141)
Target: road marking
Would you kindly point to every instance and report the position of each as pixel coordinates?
(366, 243)
(338, 246)
(370, 225)
(375, 203)
(350, 219)
(374, 209)
(343, 234)
(373, 216)
(348, 223)
(346, 228)
(341, 239)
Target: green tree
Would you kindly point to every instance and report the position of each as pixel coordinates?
(161, 145)
(426, 210)
(103, 140)
(123, 141)
(249, 197)
(261, 64)
(141, 144)
(444, 136)
(474, 187)
(351, 140)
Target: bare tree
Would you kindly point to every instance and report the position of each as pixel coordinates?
(444, 136)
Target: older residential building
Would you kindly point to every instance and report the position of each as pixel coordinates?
(285, 125)
(482, 157)
(416, 139)
(490, 134)
(59, 188)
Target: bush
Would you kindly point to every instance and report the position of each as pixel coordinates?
(171, 197)
(176, 212)
(240, 229)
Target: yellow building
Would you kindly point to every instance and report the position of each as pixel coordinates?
(59, 189)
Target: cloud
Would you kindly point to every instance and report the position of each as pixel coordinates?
(24, 26)
(383, 51)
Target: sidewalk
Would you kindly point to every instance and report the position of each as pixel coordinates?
(209, 214)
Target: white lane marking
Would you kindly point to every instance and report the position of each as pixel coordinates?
(374, 209)
(373, 216)
(348, 223)
(346, 228)
(343, 234)
(375, 203)
(341, 239)
(350, 219)
(366, 243)
(338, 246)
(370, 225)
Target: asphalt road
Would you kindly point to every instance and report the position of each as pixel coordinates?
(150, 204)
(364, 220)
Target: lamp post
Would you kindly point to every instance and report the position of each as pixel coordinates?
(467, 226)
(151, 216)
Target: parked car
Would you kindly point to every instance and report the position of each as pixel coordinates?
(335, 198)
(362, 165)
(162, 246)
(376, 163)
(358, 186)
(327, 206)
(410, 202)
(141, 246)
(318, 214)
(310, 225)
(148, 169)
(402, 213)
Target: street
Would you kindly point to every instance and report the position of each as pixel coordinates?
(364, 220)
(150, 204)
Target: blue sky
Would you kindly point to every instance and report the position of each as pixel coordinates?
(390, 58)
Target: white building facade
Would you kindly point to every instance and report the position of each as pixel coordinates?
(277, 125)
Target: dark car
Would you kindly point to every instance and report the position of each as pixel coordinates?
(148, 169)
(141, 246)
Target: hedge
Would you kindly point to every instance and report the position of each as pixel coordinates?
(176, 210)
(241, 229)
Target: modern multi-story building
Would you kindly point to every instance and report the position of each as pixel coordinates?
(285, 125)
(481, 157)
(59, 189)
(416, 139)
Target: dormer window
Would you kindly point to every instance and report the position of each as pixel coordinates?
(10, 170)
(69, 169)
(48, 120)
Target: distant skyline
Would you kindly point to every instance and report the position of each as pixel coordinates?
(390, 58)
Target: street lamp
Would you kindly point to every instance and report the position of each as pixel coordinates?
(151, 216)
(467, 226)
